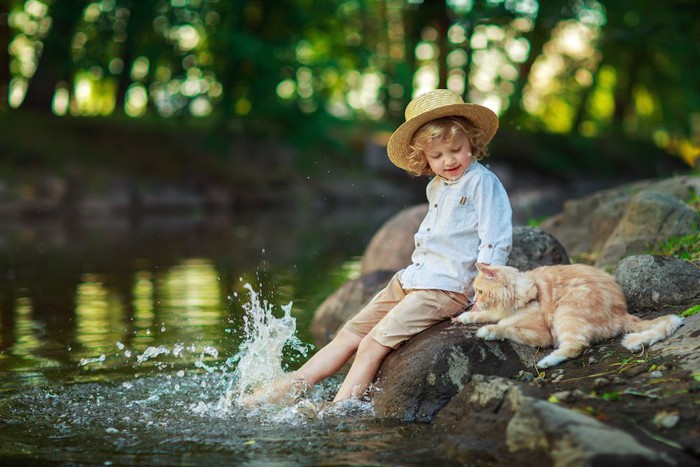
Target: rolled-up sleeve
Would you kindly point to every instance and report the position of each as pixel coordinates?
(495, 219)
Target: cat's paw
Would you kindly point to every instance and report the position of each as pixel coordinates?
(462, 319)
(487, 333)
(550, 360)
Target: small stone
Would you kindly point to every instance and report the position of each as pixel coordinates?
(556, 374)
(664, 419)
(600, 382)
(656, 374)
(592, 360)
(618, 380)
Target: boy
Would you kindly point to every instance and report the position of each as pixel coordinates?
(468, 221)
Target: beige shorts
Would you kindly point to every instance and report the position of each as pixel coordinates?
(395, 315)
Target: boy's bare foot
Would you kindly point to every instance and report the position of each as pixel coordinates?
(283, 391)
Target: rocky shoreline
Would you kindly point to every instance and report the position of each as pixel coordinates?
(487, 403)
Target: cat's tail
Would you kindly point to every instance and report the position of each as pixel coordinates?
(648, 332)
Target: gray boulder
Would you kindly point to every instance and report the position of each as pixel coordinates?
(650, 219)
(650, 282)
(497, 421)
(417, 380)
(533, 247)
(586, 225)
(392, 246)
(684, 346)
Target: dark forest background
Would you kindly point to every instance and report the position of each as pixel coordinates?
(229, 90)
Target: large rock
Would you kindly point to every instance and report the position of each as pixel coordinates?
(533, 247)
(586, 224)
(684, 345)
(650, 219)
(650, 282)
(344, 303)
(417, 380)
(494, 421)
(392, 246)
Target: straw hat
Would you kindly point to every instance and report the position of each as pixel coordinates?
(433, 105)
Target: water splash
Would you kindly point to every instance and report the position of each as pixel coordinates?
(269, 342)
(260, 356)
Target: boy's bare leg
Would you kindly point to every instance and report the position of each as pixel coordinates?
(370, 355)
(324, 363)
(331, 358)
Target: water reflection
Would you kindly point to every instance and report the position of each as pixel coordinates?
(27, 339)
(143, 300)
(191, 295)
(72, 292)
(111, 336)
(99, 315)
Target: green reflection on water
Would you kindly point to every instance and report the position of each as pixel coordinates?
(27, 340)
(99, 315)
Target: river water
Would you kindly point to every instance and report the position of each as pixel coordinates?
(126, 342)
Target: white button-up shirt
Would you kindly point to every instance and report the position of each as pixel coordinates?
(469, 220)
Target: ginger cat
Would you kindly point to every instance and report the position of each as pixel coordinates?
(568, 307)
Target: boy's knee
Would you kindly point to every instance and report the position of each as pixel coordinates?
(347, 338)
(368, 346)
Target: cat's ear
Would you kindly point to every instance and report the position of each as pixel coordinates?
(488, 272)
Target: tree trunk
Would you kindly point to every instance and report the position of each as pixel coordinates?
(582, 107)
(4, 57)
(550, 14)
(625, 89)
(442, 24)
(55, 63)
(139, 24)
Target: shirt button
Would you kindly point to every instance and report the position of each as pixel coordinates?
(490, 246)
(435, 205)
(417, 245)
(428, 229)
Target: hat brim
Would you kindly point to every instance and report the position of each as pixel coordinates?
(481, 117)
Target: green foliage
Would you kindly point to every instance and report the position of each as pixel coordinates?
(690, 311)
(611, 396)
(684, 247)
(312, 72)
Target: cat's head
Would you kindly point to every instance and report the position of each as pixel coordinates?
(501, 288)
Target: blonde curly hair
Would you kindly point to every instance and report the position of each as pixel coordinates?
(445, 129)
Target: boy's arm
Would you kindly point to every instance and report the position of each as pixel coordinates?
(495, 218)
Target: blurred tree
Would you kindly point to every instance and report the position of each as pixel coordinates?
(4, 53)
(548, 15)
(300, 66)
(654, 53)
(139, 40)
(55, 64)
(250, 39)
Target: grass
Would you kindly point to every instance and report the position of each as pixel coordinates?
(690, 311)
(685, 247)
